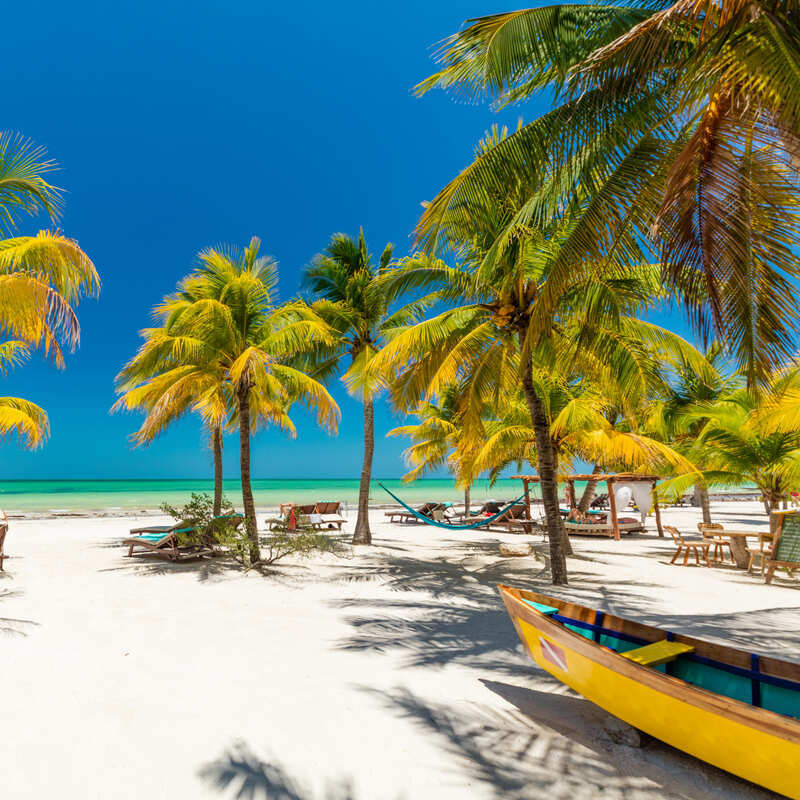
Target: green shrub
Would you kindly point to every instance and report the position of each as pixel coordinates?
(198, 513)
(228, 533)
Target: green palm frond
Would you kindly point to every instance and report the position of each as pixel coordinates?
(24, 188)
(509, 56)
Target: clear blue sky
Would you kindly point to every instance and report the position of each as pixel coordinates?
(181, 125)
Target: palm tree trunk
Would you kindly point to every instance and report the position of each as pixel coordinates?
(705, 504)
(362, 533)
(243, 396)
(466, 499)
(566, 545)
(546, 467)
(216, 446)
(588, 492)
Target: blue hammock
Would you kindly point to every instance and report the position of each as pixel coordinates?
(447, 525)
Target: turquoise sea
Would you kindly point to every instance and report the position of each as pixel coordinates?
(97, 496)
(147, 495)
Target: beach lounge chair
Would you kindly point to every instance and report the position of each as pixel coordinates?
(711, 532)
(592, 527)
(515, 519)
(163, 541)
(688, 547)
(426, 509)
(330, 515)
(320, 516)
(3, 532)
(291, 515)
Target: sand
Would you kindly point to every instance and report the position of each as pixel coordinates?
(391, 673)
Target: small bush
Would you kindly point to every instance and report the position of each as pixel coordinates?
(228, 533)
(303, 543)
(198, 513)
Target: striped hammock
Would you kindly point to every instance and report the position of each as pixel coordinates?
(471, 527)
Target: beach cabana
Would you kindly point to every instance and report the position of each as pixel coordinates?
(641, 486)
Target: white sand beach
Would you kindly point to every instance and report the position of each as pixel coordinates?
(391, 673)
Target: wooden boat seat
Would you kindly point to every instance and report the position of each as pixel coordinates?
(653, 655)
(541, 608)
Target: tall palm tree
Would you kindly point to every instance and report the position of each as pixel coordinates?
(702, 98)
(527, 292)
(168, 389)
(345, 282)
(225, 317)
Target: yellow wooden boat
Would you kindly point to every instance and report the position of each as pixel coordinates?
(734, 709)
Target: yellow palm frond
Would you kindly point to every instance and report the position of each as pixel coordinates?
(53, 259)
(19, 417)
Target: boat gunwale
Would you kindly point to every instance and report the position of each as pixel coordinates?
(770, 722)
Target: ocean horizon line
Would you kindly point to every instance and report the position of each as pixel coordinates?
(108, 496)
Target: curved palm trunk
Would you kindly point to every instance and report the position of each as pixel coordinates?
(216, 446)
(588, 492)
(243, 396)
(362, 533)
(546, 466)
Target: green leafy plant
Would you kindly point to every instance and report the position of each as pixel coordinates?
(304, 543)
(225, 533)
(208, 528)
(279, 543)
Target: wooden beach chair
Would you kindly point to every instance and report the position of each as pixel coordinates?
(301, 511)
(330, 515)
(515, 519)
(3, 532)
(688, 547)
(711, 532)
(320, 516)
(163, 541)
(785, 549)
(761, 552)
(426, 509)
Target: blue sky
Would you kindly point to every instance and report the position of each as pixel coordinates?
(181, 125)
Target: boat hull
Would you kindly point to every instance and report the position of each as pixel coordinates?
(757, 745)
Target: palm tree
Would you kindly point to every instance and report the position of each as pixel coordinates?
(351, 298)
(528, 292)
(737, 450)
(439, 439)
(701, 98)
(18, 416)
(172, 386)
(42, 279)
(225, 318)
(692, 385)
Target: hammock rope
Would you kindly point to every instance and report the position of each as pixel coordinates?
(447, 525)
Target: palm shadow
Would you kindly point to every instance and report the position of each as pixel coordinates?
(13, 626)
(670, 772)
(447, 609)
(251, 778)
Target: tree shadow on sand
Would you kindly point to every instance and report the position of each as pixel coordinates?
(557, 746)
(251, 778)
(447, 609)
(12, 626)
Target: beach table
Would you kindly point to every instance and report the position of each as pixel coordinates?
(738, 540)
